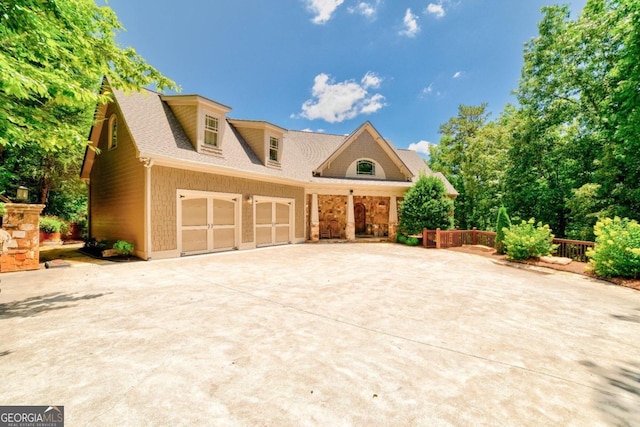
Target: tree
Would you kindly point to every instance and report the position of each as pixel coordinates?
(53, 55)
(426, 205)
(502, 222)
(580, 121)
(472, 155)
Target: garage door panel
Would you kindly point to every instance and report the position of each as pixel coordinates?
(194, 240)
(282, 234)
(194, 212)
(282, 213)
(223, 212)
(224, 238)
(264, 213)
(263, 236)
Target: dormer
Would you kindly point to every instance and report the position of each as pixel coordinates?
(264, 138)
(202, 119)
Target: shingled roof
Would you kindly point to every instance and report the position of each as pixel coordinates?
(157, 133)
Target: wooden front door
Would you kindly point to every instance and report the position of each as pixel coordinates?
(360, 214)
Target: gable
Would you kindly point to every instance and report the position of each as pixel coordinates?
(365, 145)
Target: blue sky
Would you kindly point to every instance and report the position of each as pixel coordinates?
(330, 65)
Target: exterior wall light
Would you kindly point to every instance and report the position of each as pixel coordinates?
(22, 194)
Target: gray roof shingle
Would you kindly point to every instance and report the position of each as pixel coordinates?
(157, 132)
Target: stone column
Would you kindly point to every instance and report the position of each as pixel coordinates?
(21, 239)
(393, 218)
(315, 219)
(351, 221)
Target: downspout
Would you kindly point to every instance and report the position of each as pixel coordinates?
(148, 163)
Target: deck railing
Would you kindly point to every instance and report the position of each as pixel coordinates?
(443, 239)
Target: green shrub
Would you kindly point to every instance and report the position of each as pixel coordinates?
(52, 224)
(401, 238)
(526, 240)
(617, 248)
(412, 241)
(426, 205)
(3, 209)
(502, 222)
(123, 247)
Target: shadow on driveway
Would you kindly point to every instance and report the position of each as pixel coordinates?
(617, 393)
(42, 303)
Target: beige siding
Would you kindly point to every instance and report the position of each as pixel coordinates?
(117, 189)
(187, 115)
(166, 181)
(364, 147)
(255, 139)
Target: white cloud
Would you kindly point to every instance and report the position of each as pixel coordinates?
(371, 80)
(368, 10)
(336, 102)
(428, 90)
(457, 74)
(410, 28)
(313, 131)
(323, 9)
(421, 147)
(436, 9)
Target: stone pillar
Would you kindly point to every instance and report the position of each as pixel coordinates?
(351, 221)
(21, 226)
(315, 219)
(393, 218)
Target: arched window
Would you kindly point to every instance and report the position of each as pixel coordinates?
(365, 167)
(113, 132)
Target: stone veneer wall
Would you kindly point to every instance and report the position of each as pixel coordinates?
(333, 208)
(377, 213)
(21, 223)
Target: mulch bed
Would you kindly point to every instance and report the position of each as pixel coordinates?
(96, 252)
(573, 267)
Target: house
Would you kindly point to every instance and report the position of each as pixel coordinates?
(174, 175)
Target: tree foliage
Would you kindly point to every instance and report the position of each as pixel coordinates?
(502, 222)
(426, 205)
(457, 159)
(569, 153)
(53, 55)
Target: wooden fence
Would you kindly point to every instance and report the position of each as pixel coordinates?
(443, 239)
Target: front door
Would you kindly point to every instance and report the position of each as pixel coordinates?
(360, 214)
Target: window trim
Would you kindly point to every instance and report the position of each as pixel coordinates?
(372, 172)
(215, 131)
(112, 143)
(274, 148)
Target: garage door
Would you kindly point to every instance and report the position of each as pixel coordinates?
(207, 222)
(273, 221)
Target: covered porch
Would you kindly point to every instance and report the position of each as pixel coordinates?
(352, 215)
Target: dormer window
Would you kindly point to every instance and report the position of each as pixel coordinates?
(365, 167)
(274, 149)
(113, 132)
(211, 131)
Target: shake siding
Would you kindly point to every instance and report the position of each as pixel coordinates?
(188, 117)
(166, 181)
(255, 139)
(363, 147)
(117, 189)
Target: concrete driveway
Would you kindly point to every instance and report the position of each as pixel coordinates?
(331, 335)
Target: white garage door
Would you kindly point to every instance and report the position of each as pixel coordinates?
(207, 222)
(274, 219)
